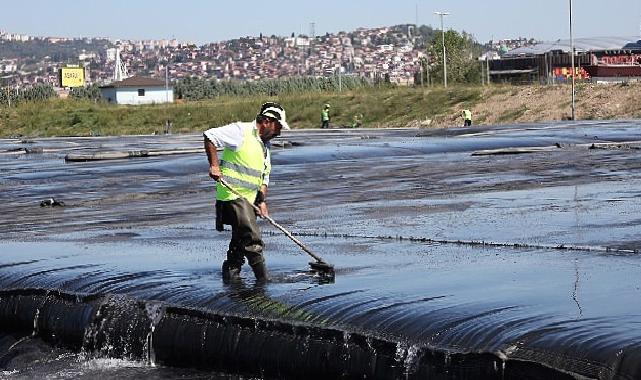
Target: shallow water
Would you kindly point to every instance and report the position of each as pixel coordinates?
(448, 264)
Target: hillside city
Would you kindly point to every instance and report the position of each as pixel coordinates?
(395, 53)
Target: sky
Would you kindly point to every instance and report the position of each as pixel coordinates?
(202, 21)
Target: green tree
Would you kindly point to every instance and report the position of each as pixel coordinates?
(37, 92)
(461, 52)
(91, 92)
(192, 88)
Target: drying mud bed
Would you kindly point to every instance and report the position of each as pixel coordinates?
(488, 253)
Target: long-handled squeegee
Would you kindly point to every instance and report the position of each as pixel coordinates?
(320, 266)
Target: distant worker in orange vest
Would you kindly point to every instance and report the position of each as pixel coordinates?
(467, 118)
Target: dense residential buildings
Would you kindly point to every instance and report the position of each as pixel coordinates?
(392, 53)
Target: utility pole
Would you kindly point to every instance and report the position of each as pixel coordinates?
(8, 90)
(487, 61)
(312, 37)
(167, 81)
(427, 73)
(573, 73)
(444, 58)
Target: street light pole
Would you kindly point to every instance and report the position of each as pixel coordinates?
(8, 93)
(573, 68)
(444, 59)
(167, 82)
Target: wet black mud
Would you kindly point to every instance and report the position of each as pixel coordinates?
(449, 265)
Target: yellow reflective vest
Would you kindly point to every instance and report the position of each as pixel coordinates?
(244, 169)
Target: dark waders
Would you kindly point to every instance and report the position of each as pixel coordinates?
(245, 241)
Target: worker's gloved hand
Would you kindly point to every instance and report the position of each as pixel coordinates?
(214, 172)
(261, 204)
(264, 211)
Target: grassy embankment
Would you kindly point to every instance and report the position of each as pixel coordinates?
(384, 107)
(381, 107)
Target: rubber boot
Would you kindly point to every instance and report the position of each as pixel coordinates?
(260, 272)
(231, 272)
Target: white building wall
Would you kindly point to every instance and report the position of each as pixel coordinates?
(152, 95)
(129, 95)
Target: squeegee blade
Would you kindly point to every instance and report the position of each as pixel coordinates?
(323, 269)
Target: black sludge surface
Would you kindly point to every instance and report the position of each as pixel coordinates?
(450, 265)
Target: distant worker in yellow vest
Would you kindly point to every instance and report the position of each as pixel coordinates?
(467, 118)
(325, 116)
(245, 165)
(357, 120)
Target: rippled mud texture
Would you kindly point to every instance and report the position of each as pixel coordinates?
(456, 257)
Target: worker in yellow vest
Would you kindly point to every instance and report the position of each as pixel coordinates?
(467, 118)
(245, 165)
(325, 116)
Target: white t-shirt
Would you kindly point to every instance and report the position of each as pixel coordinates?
(232, 136)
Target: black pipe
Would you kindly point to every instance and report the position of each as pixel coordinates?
(122, 327)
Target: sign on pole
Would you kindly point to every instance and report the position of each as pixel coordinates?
(72, 76)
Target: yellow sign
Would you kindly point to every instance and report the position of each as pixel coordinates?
(72, 77)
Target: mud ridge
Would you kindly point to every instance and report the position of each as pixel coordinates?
(120, 326)
(426, 240)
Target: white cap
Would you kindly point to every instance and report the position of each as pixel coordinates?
(277, 113)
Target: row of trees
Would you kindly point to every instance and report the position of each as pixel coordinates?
(202, 89)
(199, 89)
(88, 92)
(9, 97)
